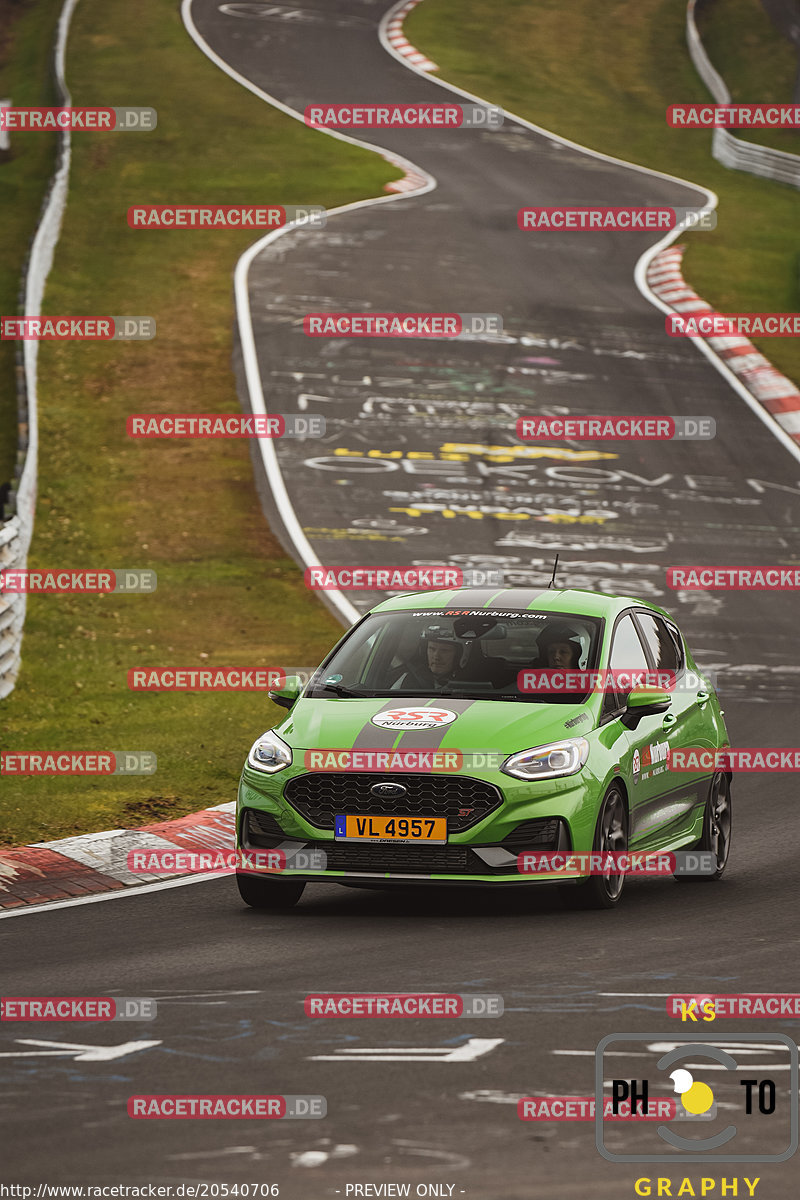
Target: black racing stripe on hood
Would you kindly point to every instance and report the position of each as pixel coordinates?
(372, 737)
(522, 598)
(518, 598)
(473, 597)
(428, 739)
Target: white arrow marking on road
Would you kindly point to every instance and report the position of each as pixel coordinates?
(742, 1047)
(164, 997)
(606, 1053)
(85, 1053)
(304, 397)
(472, 1049)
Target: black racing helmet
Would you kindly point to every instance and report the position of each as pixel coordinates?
(557, 632)
(444, 633)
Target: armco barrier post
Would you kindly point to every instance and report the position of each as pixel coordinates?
(731, 151)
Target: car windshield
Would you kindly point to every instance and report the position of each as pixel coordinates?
(475, 654)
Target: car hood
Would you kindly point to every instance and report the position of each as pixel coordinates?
(504, 726)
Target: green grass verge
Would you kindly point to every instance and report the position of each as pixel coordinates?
(604, 78)
(227, 593)
(756, 62)
(25, 78)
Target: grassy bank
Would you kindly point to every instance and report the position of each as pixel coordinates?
(604, 78)
(227, 593)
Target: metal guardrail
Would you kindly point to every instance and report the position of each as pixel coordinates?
(727, 149)
(18, 510)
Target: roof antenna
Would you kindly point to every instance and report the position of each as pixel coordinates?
(552, 582)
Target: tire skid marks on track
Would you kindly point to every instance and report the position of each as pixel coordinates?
(14, 869)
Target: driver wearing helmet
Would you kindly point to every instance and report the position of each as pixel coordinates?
(441, 654)
(559, 647)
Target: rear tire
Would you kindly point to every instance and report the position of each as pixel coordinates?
(717, 824)
(611, 833)
(268, 894)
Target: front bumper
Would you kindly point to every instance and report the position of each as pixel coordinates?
(555, 815)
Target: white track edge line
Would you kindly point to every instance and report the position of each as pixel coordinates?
(640, 270)
(348, 611)
(253, 376)
(248, 343)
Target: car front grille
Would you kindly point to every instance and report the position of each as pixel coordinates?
(461, 800)
(403, 859)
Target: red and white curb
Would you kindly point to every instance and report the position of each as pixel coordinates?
(773, 391)
(399, 42)
(98, 862)
(411, 181)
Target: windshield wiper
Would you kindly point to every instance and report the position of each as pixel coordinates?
(348, 693)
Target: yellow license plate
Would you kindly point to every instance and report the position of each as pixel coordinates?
(432, 830)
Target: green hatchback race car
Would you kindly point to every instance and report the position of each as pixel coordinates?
(450, 733)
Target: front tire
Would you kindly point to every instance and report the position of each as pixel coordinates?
(270, 894)
(717, 824)
(611, 833)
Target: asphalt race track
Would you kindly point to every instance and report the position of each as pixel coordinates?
(230, 982)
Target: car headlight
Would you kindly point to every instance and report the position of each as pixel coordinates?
(548, 762)
(269, 753)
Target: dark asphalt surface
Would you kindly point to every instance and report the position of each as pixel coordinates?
(591, 345)
(195, 948)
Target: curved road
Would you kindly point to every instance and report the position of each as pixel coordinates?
(230, 981)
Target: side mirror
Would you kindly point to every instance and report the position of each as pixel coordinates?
(643, 702)
(287, 695)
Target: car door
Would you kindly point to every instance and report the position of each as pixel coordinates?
(682, 794)
(643, 751)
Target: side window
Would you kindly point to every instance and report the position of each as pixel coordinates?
(661, 642)
(627, 654)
